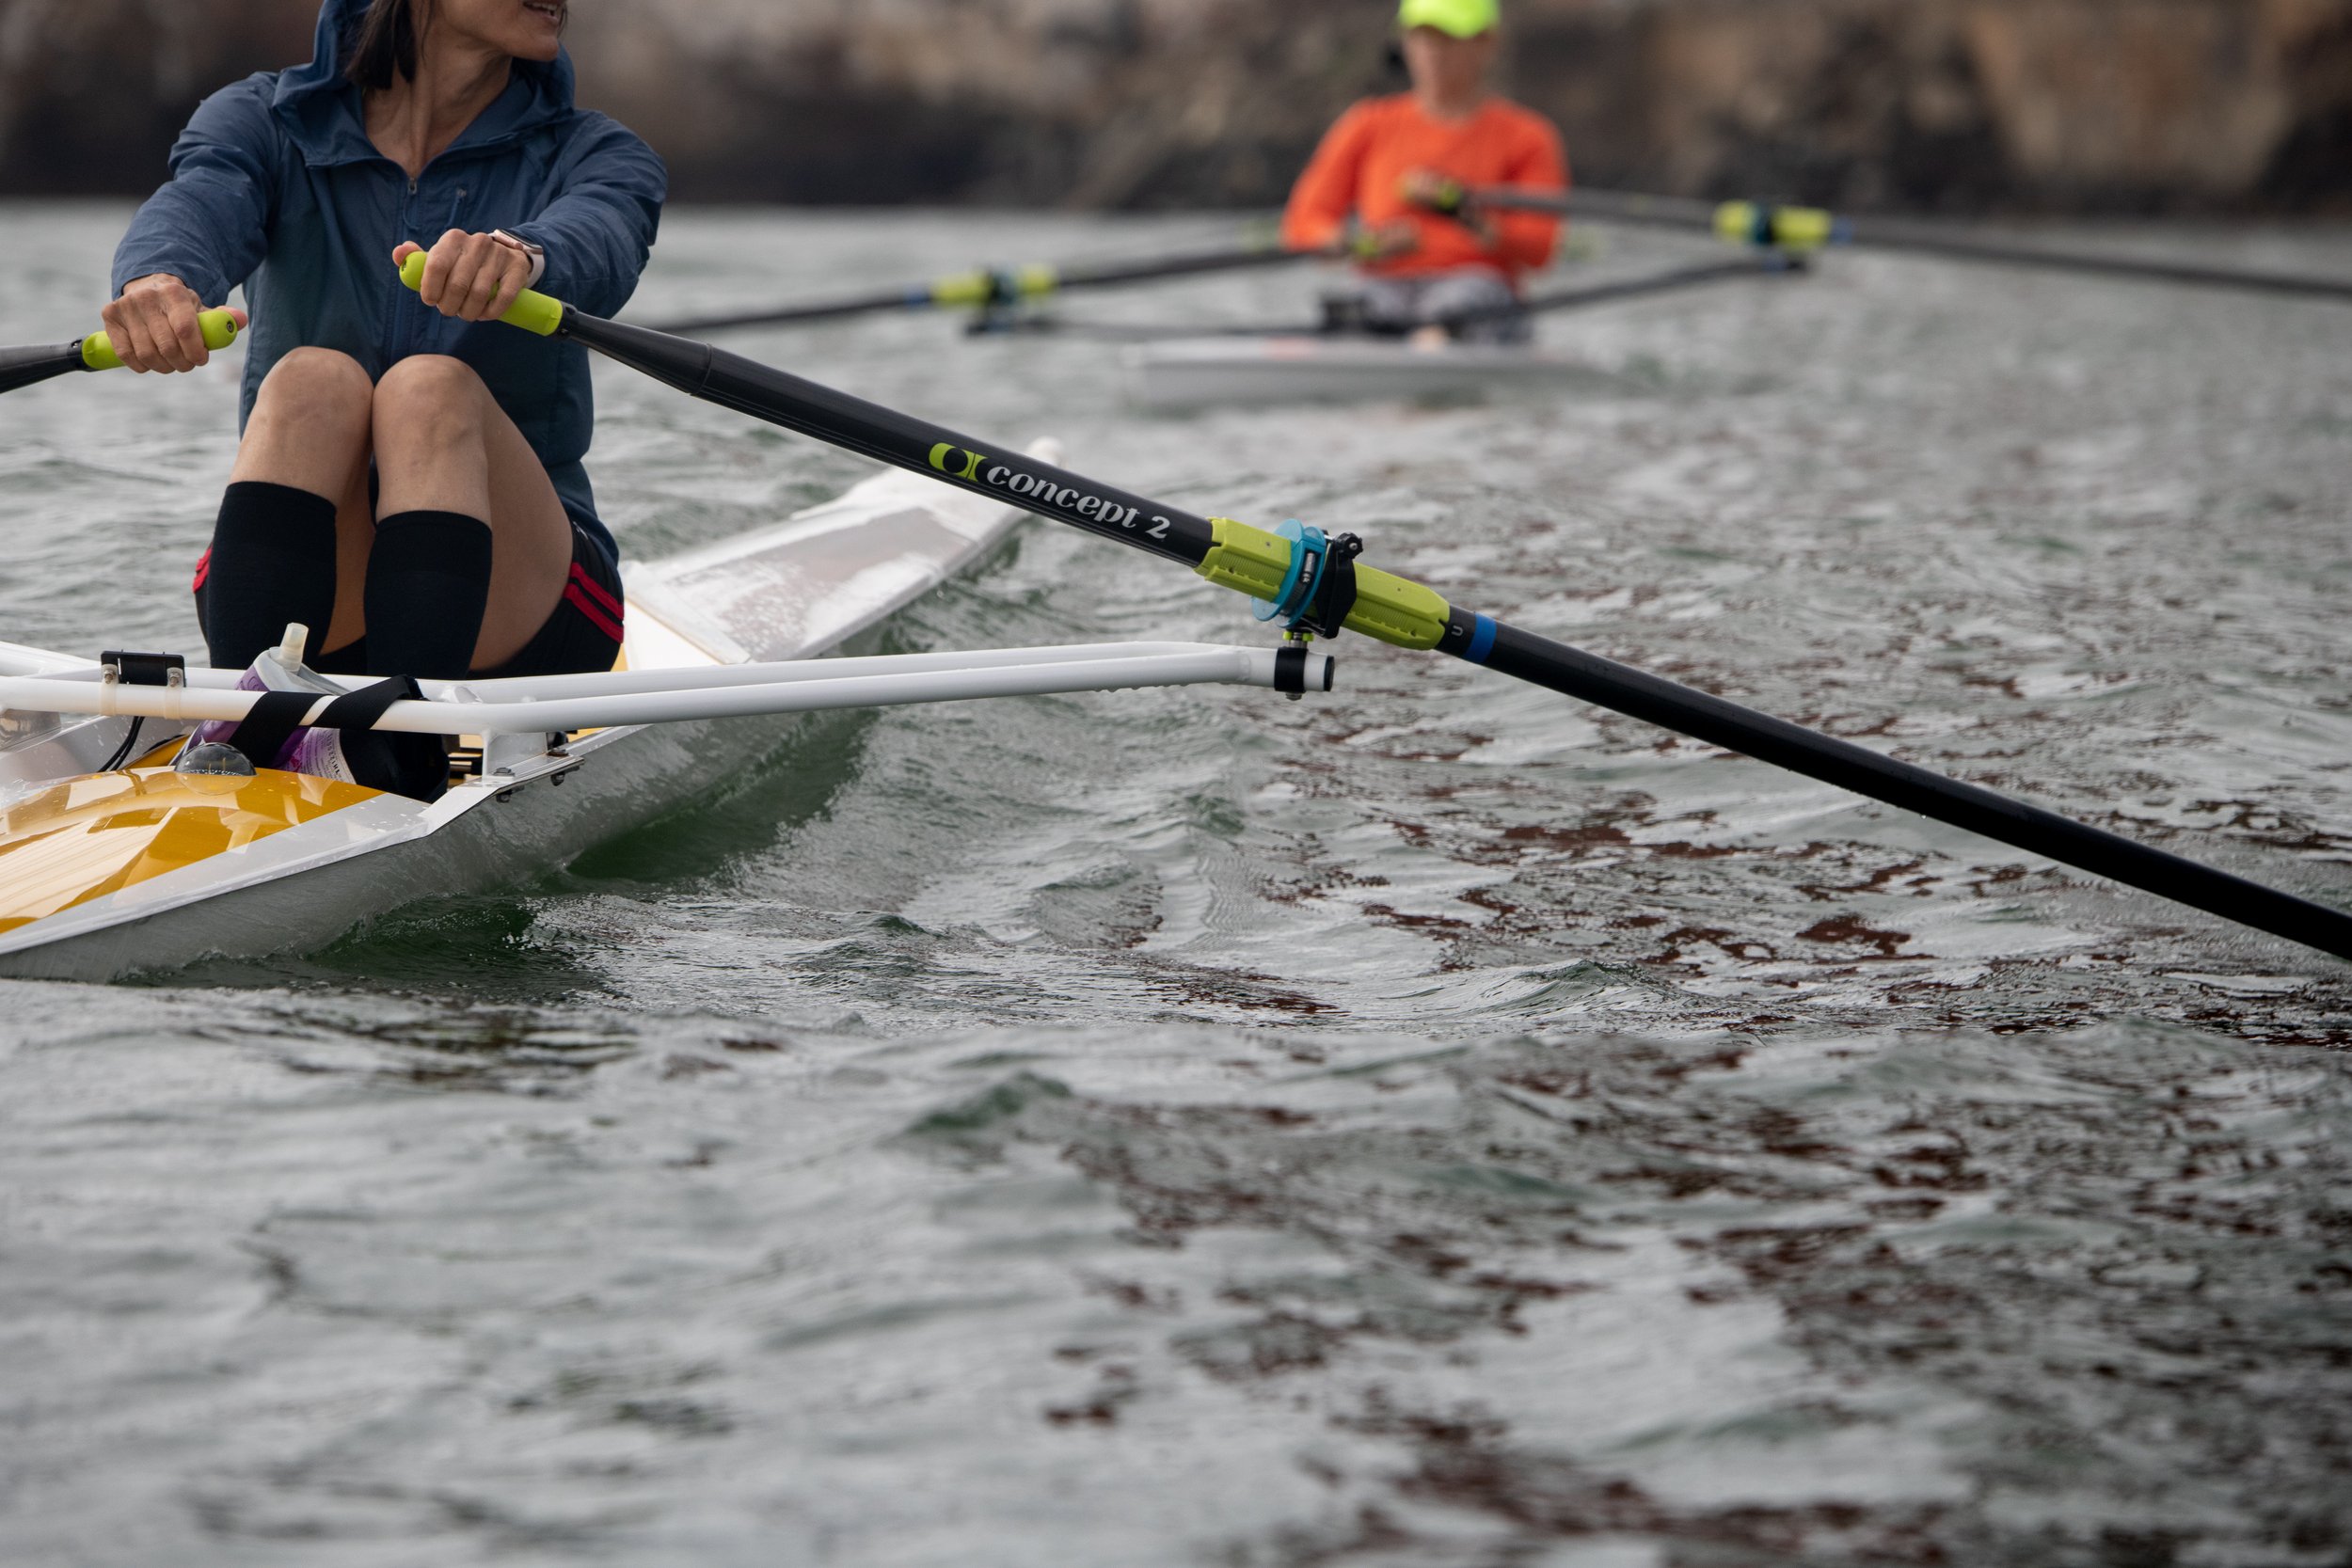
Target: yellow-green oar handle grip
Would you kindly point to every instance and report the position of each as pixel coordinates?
(219, 326)
(533, 313)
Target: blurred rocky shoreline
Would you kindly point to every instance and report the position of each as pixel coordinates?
(2141, 106)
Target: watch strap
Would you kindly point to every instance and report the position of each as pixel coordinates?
(537, 252)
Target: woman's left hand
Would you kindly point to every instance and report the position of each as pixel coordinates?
(1426, 187)
(471, 276)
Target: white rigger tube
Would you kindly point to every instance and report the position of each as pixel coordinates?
(701, 676)
(543, 687)
(813, 687)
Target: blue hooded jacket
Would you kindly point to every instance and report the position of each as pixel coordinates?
(275, 187)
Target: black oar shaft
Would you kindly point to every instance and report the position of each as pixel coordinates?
(1667, 282)
(1219, 549)
(981, 290)
(1666, 212)
(1649, 212)
(1671, 706)
(29, 367)
(835, 417)
(789, 315)
(1557, 302)
(1918, 241)
(1175, 267)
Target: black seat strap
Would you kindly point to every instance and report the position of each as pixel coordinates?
(361, 709)
(276, 715)
(270, 722)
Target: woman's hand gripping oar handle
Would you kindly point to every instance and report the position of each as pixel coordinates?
(533, 312)
(29, 367)
(219, 328)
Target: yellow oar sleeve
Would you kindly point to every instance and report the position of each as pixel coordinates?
(1388, 609)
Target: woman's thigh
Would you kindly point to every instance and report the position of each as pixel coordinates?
(311, 429)
(530, 558)
(443, 444)
(354, 535)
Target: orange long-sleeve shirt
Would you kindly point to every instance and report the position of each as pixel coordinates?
(1359, 172)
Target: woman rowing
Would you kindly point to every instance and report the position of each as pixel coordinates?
(1390, 161)
(409, 483)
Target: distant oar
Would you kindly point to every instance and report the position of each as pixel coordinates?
(1555, 302)
(29, 367)
(984, 289)
(1641, 288)
(1807, 229)
(1316, 585)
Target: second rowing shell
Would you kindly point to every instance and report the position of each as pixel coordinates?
(140, 869)
(1207, 372)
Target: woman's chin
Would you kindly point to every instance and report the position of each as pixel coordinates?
(534, 38)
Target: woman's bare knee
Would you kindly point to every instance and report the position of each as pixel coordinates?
(319, 383)
(432, 435)
(428, 402)
(310, 423)
(429, 381)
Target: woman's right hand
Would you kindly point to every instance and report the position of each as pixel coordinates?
(153, 325)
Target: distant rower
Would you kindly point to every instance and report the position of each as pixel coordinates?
(1387, 156)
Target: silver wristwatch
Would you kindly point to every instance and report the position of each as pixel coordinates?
(538, 254)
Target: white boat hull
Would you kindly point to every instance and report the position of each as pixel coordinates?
(805, 588)
(1230, 372)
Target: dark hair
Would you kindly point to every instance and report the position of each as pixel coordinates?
(384, 46)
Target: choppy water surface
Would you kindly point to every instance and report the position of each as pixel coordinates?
(1436, 1125)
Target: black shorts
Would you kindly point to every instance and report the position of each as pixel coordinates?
(583, 635)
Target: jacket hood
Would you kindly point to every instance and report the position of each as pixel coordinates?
(322, 107)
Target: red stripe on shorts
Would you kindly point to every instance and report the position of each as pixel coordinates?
(204, 569)
(596, 591)
(596, 617)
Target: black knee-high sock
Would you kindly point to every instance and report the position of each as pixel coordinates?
(428, 588)
(272, 563)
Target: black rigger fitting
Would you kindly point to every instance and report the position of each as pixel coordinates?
(139, 669)
(145, 669)
(1289, 668)
(1334, 593)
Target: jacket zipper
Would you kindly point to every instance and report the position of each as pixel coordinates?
(394, 334)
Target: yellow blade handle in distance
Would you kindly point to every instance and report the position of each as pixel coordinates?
(219, 327)
(1793, 229)
(532, 311)
(1804, 228)
(993, 288)
(963, 288)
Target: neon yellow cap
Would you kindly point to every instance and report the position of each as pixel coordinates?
(1463, 19)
